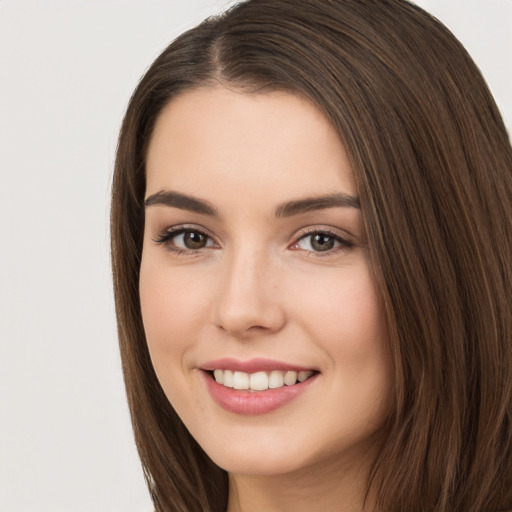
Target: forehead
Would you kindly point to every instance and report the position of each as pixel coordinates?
(212, 140)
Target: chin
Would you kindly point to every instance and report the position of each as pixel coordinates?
(259, 463)
(264, 455)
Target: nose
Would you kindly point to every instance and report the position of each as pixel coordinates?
(247, 302)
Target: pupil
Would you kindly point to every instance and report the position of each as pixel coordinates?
(322, 242)
(194, 240)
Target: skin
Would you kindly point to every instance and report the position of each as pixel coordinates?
(261, 288)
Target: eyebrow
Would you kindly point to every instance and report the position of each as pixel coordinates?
(288, 209)
(181, 201)
(317, 203)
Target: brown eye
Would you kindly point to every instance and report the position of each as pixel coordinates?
(183, 239)
(194, 240)
(322, 242)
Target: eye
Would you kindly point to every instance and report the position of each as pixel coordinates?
(191, 240)
(184, 239)
(321, 242)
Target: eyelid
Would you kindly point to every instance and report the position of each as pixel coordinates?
(335, 232)
(166, 235)
(344, 241)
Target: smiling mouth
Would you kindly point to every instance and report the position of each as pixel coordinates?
(260, 381)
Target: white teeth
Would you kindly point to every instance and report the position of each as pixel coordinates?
(241, 380)
(290, 378)
(219, 376)
(304, 375)
(276, 380)
(260, 381)
(227, 378)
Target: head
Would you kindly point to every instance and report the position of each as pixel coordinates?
(432, 166)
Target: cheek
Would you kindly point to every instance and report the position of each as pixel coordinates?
(343, 315)
(342, 309)
(174, 307)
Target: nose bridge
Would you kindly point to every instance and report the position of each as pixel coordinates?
(246, 301)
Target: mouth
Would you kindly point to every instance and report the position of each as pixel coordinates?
(261, 380)
(257, 386)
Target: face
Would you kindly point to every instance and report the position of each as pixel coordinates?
(261, 317)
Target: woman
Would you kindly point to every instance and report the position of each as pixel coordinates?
(311, 243)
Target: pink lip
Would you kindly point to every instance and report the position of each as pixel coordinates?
(253, 403)
(250, 366)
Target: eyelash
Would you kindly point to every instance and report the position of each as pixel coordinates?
(167, 237)
(344, 244)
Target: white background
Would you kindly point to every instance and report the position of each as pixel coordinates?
(67, 69)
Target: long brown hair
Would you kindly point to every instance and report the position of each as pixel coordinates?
(433, 165)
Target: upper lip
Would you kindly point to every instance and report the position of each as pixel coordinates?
(251, 365)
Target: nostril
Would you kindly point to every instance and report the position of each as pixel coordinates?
(257, 328)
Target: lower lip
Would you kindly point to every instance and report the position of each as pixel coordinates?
(257, 402)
